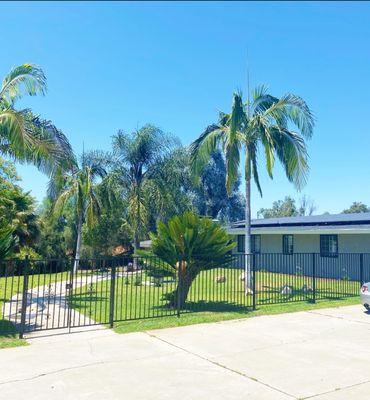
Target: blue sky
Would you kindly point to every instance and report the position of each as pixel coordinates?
(117, 66)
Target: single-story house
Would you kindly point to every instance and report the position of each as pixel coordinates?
(337, 246)
(327, 235)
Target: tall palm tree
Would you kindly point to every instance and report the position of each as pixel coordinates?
(24, 136)
(77, 188)
(136, 172)
(263, 122)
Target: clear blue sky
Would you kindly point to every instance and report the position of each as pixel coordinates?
(120, 65)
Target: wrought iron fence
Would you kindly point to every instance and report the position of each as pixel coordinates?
(53, 294)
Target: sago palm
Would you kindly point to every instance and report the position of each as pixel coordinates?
(24, 136)
(77, 188)
(278, 126)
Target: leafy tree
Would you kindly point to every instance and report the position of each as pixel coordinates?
(77, 188)
(19, 225)
(265, 122)
(139, 174)
(190, 244)
(357, 207)
(24, 136)
(280, 208)
(288, 208)
(211, 196)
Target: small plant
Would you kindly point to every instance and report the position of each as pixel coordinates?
(127, 281)
(137, 281)
(298, 271)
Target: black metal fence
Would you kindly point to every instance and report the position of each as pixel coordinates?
(53, 294)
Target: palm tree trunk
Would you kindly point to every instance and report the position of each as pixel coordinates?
(248, 277)
(78, 244)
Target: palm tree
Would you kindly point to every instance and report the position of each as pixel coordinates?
(24, 136)
(77, 188)
(265, 122)
(137, 170)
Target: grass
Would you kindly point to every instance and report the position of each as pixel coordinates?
(208, 317)
(139, 298)
(11, 286)
(137, 304)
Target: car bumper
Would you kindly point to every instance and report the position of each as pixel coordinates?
(365, 299)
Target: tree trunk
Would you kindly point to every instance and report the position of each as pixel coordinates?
(78, 245)
(248, 250)
(180, 294)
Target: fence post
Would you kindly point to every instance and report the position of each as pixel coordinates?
(112, 294)
(314, 278)
(361, 269)
(179, 288)
(253, 281)
(24, 297)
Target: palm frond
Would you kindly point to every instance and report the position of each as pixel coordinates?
(202, 148)
(26, 78)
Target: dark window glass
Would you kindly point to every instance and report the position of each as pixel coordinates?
(255, 244)
(288, 244)
(329, 245)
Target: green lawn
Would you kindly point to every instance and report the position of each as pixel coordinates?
(138, 302)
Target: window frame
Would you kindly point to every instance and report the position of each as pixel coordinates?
(328, 253)
(241, 244)
(286, 246)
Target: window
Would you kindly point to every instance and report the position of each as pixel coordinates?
(241, 243)
(255, 244)
(288, 244)
(329, 245)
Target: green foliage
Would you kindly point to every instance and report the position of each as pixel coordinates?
(24, 136)
(139, 175)
(288, 208)
(357, 207)
(19, 225)
(190, 244)
(200, 242)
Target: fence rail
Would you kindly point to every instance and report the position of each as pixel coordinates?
(49, 294)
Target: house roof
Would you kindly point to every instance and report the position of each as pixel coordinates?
(313, 224)
(312, 220)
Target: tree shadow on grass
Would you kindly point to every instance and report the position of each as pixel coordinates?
(210, 306)
(7, 329)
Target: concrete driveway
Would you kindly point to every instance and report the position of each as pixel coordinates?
(322, 354)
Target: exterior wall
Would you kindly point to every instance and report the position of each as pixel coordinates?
(345, 266)
(309, 243)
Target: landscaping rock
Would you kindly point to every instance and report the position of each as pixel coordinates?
(286, 289)
(220, 279)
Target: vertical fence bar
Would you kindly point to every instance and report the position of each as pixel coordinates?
(24, 297)
(254, 276)
(112, 293)
(314, 278)
(179, 288)
(361, 269)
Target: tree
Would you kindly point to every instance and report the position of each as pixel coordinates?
(138, 173)
(211, 196)
(263, 122)
(19, 225)
(288, 208)
(306, 206)
(190, 244)
(357, 207)
(280, 208)
(77, 187)
(24, 136)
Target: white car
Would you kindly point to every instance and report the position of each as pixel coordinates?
(365, 295)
